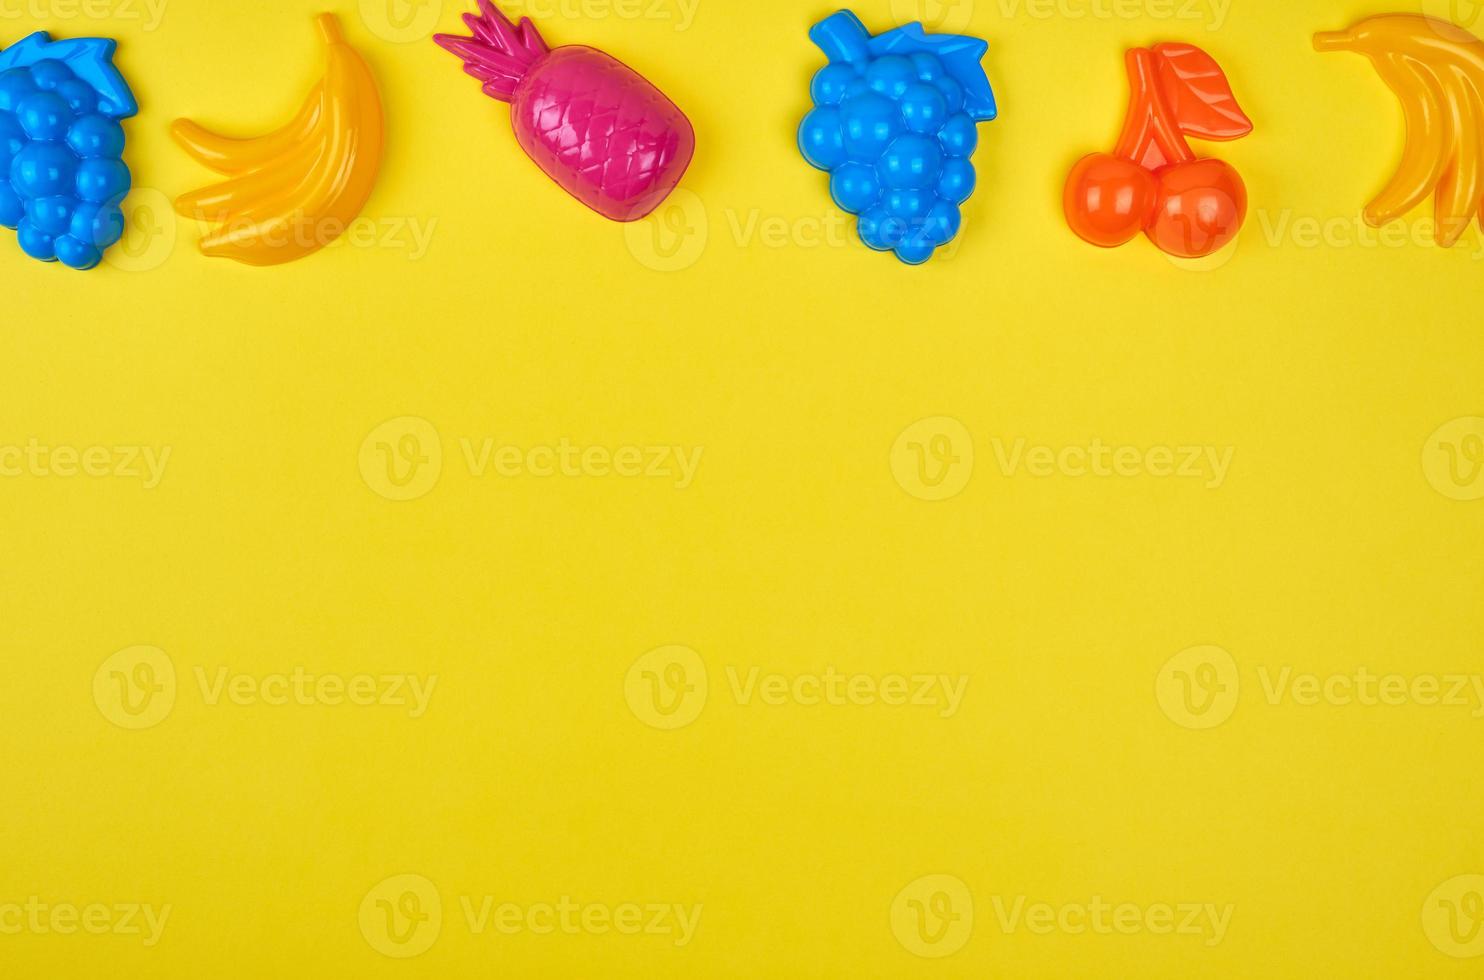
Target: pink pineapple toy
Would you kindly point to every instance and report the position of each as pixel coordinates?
(593, 124)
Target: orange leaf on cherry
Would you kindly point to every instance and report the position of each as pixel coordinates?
(1198, 93)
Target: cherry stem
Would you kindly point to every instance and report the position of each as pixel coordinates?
(1150, 137)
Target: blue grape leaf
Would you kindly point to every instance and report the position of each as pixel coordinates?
(961, 55)
(90, 58)
(24, 53)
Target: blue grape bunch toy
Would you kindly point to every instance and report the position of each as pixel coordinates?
(895, 121)
(62, 176)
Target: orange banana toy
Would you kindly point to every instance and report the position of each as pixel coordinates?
(292, 192)
(1436, 70)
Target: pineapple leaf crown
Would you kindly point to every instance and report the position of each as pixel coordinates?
(499, 53)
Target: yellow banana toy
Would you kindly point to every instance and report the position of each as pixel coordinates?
(292, 192)
(1436, 70)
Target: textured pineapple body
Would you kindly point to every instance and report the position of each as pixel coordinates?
(602, 131)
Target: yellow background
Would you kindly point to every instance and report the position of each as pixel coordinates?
(794, 362)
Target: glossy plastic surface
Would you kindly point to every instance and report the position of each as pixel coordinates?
(1152, 181)
(591, 123)
(62, 176)
(292, 192)
(895, 124)
(1436, 70)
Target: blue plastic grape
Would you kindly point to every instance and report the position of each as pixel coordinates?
(15, 85)
(81, 225)
(43, 169)
(108, 226)
(855, 187)
(35, 242)
(48, 74)
(868, 226)
(52, 215)
(822, 138)
(96, 136)
(914, 252)
(99, 225)
(910, 203)
(79, 95)
(943, 222)
(952, 92)
(956, 181)
(870, 122)
(905, 105)
(61, 173)
(831, 82)
(959, 137)
(77, 254)
(912, 160)
(881, 231)
(924, 108)
(891, 75)
(44, 116)
(102, 180)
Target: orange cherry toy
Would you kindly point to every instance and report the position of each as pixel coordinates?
(1152, 182)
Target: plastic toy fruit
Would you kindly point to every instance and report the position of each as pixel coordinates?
(591, 123)
(1436, 69)
(1152, 182)
(895, 122)
(292, 192)
(62, 177)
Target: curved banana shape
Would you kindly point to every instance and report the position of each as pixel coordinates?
(1436, 70)
(1425, 156)
(292, 192)
(227, 155)
(1461, 190)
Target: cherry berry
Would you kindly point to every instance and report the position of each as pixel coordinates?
(1199, 208)
(1108, 199)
